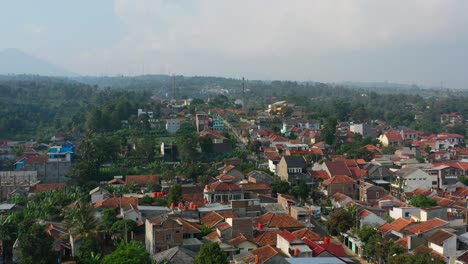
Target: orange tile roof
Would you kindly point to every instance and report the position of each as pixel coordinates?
(277, 220)
(321, 174)
(211, 219)
(223, 226)
(228, 214)
(238, 240)
(339, 197)
(266, 238)
(307, 233)
(403, 242)
(189, 227)
(397, 225)
(444, 202)
(426, 226)
(213, 235)
(115, 202)
(364, 213)
(288, 236)
(339, 179)
(142, 180)
(264, 254)
(42, 187)
(251, 186)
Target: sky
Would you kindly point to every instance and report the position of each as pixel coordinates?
(422, 42)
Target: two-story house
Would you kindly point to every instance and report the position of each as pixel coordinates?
(162, 232)
(292, 169)
(223, 190)
(370, 193)
(342, 184)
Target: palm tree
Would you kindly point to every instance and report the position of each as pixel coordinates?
(8, 234)
(80, 219)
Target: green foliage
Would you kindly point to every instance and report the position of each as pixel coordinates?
(211, 253)
(146, 200)
(35, 245)
(175, 194)
(206, 230)
(423, 201)
(341, 221)
(301, 190)
(390, 150)
(280, 186)
(87, 252)
(464, 180)
(122, 229)
(408, 258)
(109, 217)
(80, 219)
(133, 252)
(328, 131)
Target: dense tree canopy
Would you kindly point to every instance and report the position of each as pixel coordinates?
(211, 253)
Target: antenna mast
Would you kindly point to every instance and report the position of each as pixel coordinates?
(243, 93)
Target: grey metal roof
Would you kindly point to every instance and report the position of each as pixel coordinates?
(295, 161)
(177, 255)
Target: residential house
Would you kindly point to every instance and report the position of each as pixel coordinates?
(392, 138)
(278, 221)
(262, 255)
(277, 107)
(339, 200)
(451, 118)
(370, 193)
(367, 217)
(177, 255)
(292, 169)
(243, 244)
(64, 243)
(408, 179)
(98, 194)
(234, 171)
(326, 250)
(257, 176)
(342, 184)
(259, 188)
(363, 129)
(417, 234)
(334, 168)
(162, 233)
(291, 245)
(223, 190)
(443, 242)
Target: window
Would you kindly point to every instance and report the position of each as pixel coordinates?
(377, 194)
(168, 237)
(406, 214)
(434, 182)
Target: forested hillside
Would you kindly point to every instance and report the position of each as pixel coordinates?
(37, 107)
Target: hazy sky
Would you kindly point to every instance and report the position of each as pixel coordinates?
(420, 41)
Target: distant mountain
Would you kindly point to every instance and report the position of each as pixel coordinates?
(13, 61)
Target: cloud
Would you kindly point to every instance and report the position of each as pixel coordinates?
(34, 29)
(216, 37)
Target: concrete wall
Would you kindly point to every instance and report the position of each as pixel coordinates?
(50, 172)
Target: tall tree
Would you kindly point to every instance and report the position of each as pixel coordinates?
(35, 245)
(133, 252)
(80, 220)
(211, 253)
(175, 194)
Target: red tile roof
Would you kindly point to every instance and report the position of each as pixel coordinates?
(339, 179)
(238, 240)
(338, 168)
(42, 187)
(116, 181)
(444, 202)
(213, 235)
(37, 159)
(223, 226)
(115, 202)
(251, 186)
(397, 225)
(264, 254)
(321, 174)
(267, 238)
(189, 227)
(224, 186)
(364, 213)
(426, 226)
(307, 233)
(339, 197)
(288, 236)
(276, 220)
(142, 180)
(336, 250)
(403, 242)
(211, 219)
